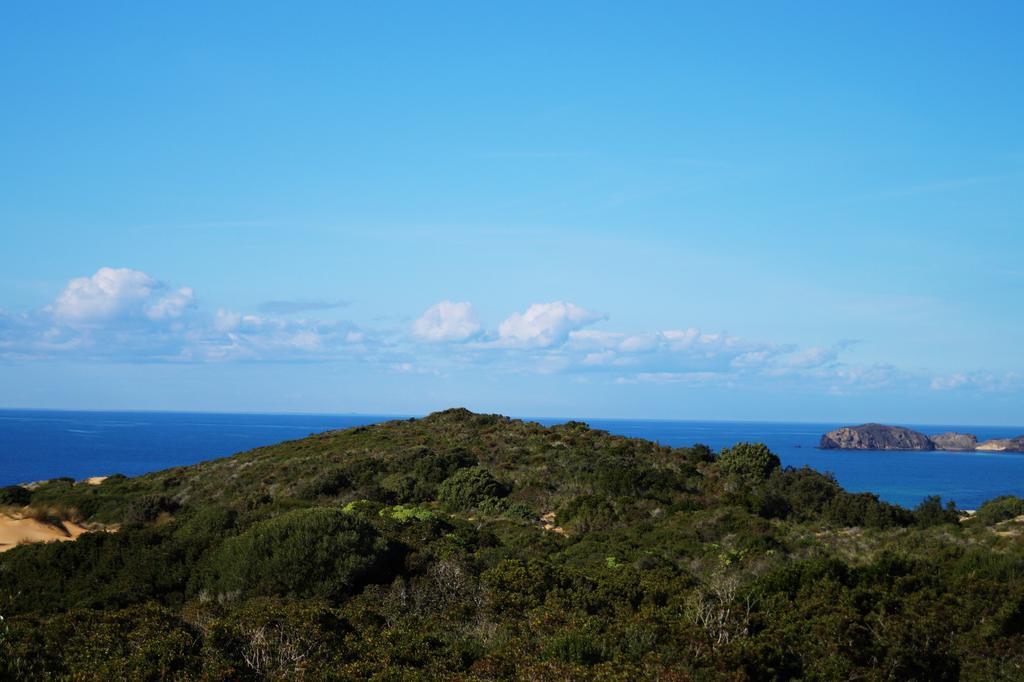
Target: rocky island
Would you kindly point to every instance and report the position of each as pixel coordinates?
(884, 437)
(1002, 445)
(875, 437)
(957, 442)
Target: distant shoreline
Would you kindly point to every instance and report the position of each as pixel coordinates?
(541, 419)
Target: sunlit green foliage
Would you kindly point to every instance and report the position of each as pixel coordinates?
(1000, 509)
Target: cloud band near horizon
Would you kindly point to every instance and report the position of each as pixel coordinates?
(126, 315)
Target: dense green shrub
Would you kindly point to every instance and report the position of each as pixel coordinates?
(434, 468)
(696, 454)
(581, 648)
(1000, 509)
(149, 508)
(799, 494)
(588, 512)
(317, 552)
(467, 488)
(930, 512)
(326, 484)
(517, 511)
(139, 643)
(865, 510)
(99, 570)
(622, 474)
(750, 462)
(207, 526)
(15, 495)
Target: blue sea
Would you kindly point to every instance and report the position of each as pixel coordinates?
(40, 444)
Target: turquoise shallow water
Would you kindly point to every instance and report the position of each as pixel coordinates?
(38, 444)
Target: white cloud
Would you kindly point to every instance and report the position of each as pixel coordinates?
(235, 336)
(125, 314)
(170, 306)
(447, 321)
(950, 382)
(110, 293)
(544, 325)
(874, 376)
(671, 350)
(984, 381)
(226, 320)
(675, 378)
(122, 314)
(813, 356)
(118, 294)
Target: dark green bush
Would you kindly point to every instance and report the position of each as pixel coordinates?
(865, 510)
(317, 552)
(326, 484)
(15, 495)
(518, 511)
(621, 474)
(1000, 509)
(930, 512)
(697, 454)
(580, 648)
(149, 508)
(750, 462)
(435, 468)
(800, 494)
(467, 488)
(588, 512)
(207, 526)
(98, 570)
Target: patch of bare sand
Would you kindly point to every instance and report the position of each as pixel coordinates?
(548, 522)
(94, 480)
(15, 529)
(1011, 527)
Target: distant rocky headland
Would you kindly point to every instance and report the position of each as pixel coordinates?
(884, 437)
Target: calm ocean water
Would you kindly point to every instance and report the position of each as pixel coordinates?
(39, 444)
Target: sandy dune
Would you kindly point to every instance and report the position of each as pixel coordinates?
(15, 529)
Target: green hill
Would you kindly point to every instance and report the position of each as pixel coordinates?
(466, 546)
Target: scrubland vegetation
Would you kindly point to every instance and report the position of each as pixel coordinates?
(465, 546)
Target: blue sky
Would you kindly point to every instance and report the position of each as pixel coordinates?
(740, 211)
